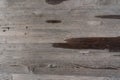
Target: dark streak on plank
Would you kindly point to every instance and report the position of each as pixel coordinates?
(109, 16)
(54, 2)
(53, 21)
(111, 43)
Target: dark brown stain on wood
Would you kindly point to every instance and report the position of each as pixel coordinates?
(53, 21)
(7, 28)
(4, 30)
(111, 43)
(109, 16)
(54, 2)
(26, 27)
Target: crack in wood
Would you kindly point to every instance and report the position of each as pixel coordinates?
(107, 68)
(110, 43)
(69, 66)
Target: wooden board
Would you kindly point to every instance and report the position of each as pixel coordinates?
(28, 29)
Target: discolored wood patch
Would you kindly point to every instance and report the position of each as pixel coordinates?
(109, 16)
(53, 21)
(111, 43)
(54, 2)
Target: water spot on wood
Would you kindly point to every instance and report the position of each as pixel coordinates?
(54, 2)
(109, 16)
(100, 43)
(53, 21)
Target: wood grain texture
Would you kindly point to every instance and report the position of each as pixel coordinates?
(28, 28)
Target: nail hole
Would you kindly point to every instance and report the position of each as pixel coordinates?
(53, 21)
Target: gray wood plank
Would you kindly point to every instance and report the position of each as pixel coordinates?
(26, 38)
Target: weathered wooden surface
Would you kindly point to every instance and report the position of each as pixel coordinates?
(28, 28)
